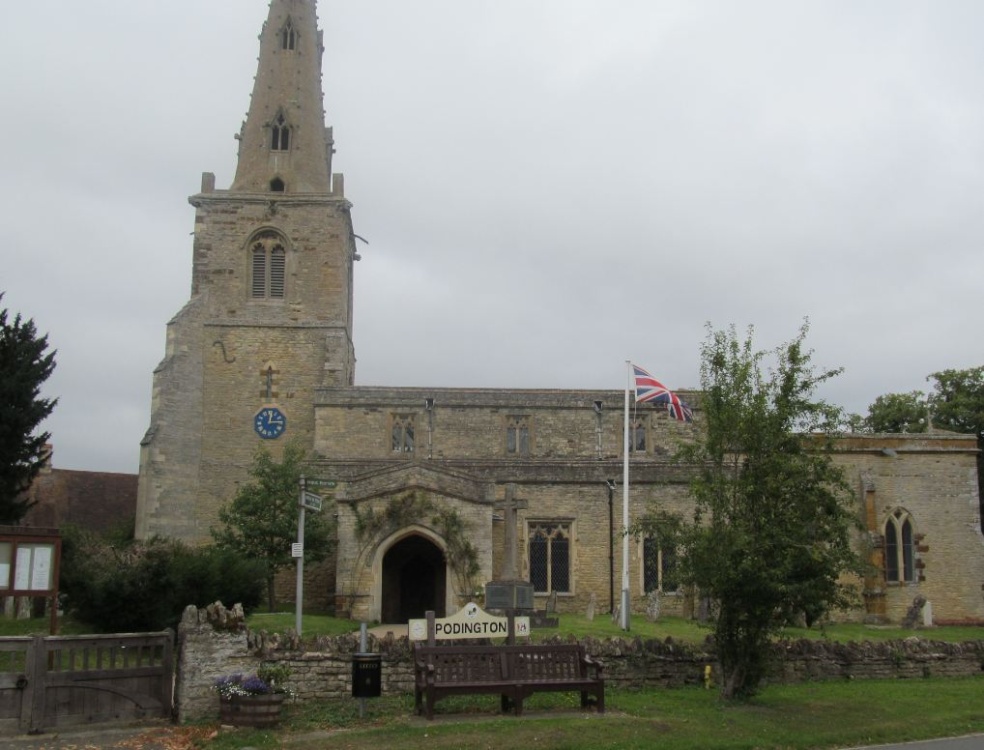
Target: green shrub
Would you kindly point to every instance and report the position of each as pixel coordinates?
(127, 586)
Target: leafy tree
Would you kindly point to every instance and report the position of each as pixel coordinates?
(957, 400)
(261, 520)
(24, 366)
(898, 412)
(771, 533)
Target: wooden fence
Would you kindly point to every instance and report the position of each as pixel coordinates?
(54, 682)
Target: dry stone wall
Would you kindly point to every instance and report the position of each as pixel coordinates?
(214, 642)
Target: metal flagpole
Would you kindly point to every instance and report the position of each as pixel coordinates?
(624, 619)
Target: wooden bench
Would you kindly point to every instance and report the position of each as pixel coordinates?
(514, 672)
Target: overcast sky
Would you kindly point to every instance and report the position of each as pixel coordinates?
(548, 187)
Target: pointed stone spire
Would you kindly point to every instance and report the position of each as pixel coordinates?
(284, 145)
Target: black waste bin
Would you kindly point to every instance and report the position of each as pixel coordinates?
(367, 671)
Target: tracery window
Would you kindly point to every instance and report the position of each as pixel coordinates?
(518, 435)
(900, 548)
(268, 267)
(288, 37)
(550, 557)
(659, 566)
(402, 433)
(280, 134)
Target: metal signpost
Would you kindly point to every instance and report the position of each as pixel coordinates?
(308, 501)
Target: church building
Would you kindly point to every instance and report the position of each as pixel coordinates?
(438, 491)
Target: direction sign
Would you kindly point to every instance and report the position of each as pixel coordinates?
(329, 483)
(311, 501)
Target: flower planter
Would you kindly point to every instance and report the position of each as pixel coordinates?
(251, 710)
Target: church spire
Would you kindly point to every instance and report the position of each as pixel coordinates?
(284, 145)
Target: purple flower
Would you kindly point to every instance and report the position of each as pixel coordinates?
(255, 686)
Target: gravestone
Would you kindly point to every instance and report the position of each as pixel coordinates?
(913, 615)
(653, 605)
(552, 603)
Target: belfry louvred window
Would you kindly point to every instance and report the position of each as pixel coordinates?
(268, 267)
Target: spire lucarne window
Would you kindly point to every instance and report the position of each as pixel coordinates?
(280, 134)
(288, 37)
(268, 266)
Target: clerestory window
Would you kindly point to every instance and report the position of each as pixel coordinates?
(518, 436)
(268, 267)
(637, 436)
(402, 433)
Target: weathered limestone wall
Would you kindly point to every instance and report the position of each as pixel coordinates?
(470, 424)
(170, 452)
(934, 479)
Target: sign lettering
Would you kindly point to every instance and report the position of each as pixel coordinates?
(469, 622)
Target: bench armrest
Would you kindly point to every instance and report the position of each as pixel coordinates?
(596, 664)
(423, 669)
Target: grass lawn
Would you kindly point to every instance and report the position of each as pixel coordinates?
(797, 717)
(677, 628)
(577, 625)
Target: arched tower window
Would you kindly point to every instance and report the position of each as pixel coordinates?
(900, 548)
(277, 185)
(288, 37)
(268, 267)
(280, 134)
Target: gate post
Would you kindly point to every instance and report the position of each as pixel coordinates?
(35, 668)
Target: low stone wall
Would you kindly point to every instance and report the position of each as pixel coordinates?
(213, 642)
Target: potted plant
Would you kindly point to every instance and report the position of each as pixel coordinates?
(253, 700)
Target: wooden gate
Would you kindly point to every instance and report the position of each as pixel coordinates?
(53, 682)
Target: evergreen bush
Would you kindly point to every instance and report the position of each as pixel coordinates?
(129, 586)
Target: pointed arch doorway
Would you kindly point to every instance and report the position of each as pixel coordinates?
(414, 580)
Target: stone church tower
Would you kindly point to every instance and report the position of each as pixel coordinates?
(270, 314)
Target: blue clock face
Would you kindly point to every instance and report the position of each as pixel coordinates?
(269, 423)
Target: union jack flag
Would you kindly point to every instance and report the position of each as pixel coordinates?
(648, 388)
